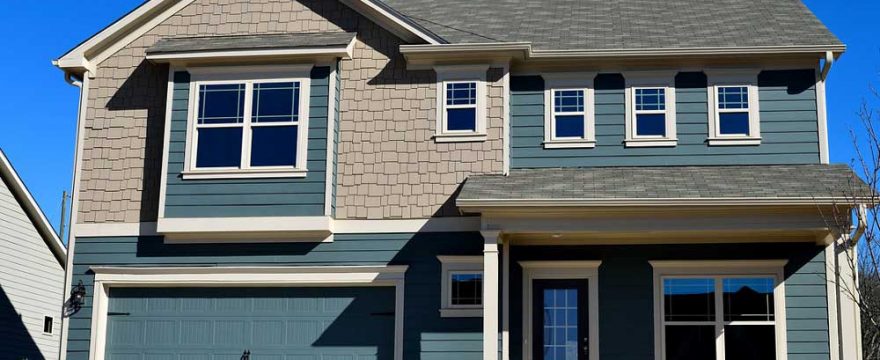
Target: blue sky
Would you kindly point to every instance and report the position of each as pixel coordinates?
(37, 133)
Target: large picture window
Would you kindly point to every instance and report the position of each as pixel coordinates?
(251, 124)
(725, 317)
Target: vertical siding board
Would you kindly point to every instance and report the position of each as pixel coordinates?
(228, 198)
(788, 125)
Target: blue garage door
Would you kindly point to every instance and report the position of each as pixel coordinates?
(273, 323)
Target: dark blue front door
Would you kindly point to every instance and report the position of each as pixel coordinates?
(560, 320)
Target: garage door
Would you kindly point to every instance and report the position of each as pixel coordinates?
(273, 323)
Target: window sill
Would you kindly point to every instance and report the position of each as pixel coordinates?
(649, 142)
(463, 137)
(734, 141)
(453, 313)
(243, 174)
(569, 144)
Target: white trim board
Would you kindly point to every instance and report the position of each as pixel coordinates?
(445, 224)
(535, 270)
(330, 276)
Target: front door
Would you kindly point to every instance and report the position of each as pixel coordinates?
(560, 324)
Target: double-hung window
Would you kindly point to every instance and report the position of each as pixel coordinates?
(247, 123)
(733, 103)
(650, 109)
(461, 103)
(726, 315)
(569, 119)
(461, 286)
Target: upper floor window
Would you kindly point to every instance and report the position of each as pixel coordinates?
(733, 106)
(247, 122)
(569, 119)
(650, 109)
(461, 103)
(461, 287)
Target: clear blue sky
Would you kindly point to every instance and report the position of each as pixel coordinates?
(37, 132)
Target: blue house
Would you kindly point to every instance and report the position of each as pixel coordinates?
(509, 180)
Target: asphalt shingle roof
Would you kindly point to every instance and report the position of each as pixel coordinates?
(670, 182)
(251, 42)
(619, 24)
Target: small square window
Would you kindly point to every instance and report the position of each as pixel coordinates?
(48, 324)
(466, 289)
(461, 287)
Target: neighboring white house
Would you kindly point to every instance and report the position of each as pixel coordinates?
(32, 261)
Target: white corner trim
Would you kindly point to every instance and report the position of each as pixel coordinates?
(505, 129)
(287, 276)
(166, 140)
(832, 293)
(822, 111)
(733, 77)
(650, 79)
(330, 161)
(535, 270)
(718, 269)
(581, 81)
(74, 204)
(455, 74)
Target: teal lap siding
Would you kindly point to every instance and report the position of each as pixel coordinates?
(249, 197)
(626, 295)
(789, 125)
(427, 336)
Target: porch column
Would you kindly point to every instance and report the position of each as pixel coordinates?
(490, 294)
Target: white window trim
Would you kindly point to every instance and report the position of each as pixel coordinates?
(450, 265)
(587, 270)
(245, 276)
(554, 82)
(249, 75)
(458, 74)
(722, 78)
(720, 269)
(51, 327)
(653, 79)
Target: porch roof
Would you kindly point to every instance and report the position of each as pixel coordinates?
(808, 184)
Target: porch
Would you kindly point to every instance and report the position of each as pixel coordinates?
(621, 263)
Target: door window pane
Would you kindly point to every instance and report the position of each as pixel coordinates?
(219, 147)
(689, 299)
(691, 342)
(751, 342)
(274, 146)
(467, 289)
(560, 324)
(748, 299)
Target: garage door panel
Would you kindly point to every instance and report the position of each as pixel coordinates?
(274, 323)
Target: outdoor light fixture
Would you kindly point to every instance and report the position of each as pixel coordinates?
(77, 299)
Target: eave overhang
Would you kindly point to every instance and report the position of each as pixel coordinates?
(566, 205)
(423, 56)
(315, 54)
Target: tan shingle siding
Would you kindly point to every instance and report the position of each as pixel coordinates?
(389, 167)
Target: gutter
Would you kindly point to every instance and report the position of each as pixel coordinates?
(658, 202)
(528, 52)
(826, 67)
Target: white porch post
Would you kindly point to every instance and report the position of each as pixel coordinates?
(490, 294)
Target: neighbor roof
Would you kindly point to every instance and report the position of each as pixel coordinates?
(251, 42)
(619, 24)
(32, 209)
(747, 184)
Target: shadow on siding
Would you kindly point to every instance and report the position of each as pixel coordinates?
(15, 341)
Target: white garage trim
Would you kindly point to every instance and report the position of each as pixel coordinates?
(305, 276)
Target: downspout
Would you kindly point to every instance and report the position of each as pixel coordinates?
(829, 62)
(850, 242)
